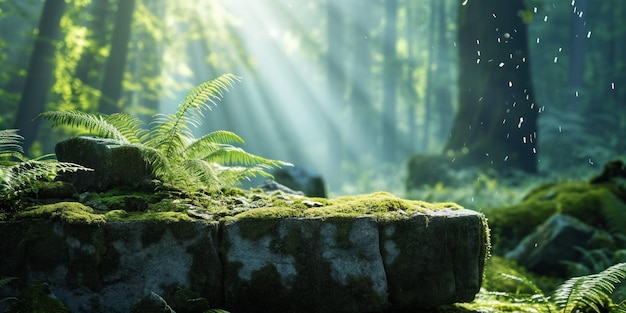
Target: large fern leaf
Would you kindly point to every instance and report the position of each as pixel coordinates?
(589, 292)
(10, 142)
(174, 155)
(170, 130)
(97, 124)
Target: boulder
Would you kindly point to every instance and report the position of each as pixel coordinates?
(301, 178)
(366, 253)
(304, 265)
(114, 164)
(354, 264)
(434, 259)
(554, 243)
(109, 267)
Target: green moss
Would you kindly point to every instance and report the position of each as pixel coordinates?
(381, 204)
(68, 212)
(594, 204)
(167, 217)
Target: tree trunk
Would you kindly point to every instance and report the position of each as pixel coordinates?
(39, 75)
(577, 55)
(361, 95)
(429, 94)
(443, 95)
(336, 87)
(116, 62)
(496, 123)
(389, 81)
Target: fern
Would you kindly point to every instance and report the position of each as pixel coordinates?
(5, 281)
(17, 172)
(591, 291)
(175, 156)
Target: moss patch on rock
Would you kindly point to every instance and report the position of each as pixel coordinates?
(69, 212)
(595, 204)
(380, 204)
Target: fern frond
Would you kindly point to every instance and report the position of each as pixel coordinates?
(6, 280)
(202, 173)
(96, 123)
(10, 142)
(170, 129)
(168, 135)
(16, 177)
(229, 155)
(589, 291)
(129, 127)
(210, 143)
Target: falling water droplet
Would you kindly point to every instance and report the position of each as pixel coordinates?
(521, 120)
(464, 2)
(589, 34)
(501, 64)
(556, 59)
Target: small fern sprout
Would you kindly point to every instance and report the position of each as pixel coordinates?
(210, 162)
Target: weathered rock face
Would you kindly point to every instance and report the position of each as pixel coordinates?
(113, 165)
(557, 241)
(111, 266)
(301, 178)
(332, 264)
(434, 259)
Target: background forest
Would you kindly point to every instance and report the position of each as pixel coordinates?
(350, 88)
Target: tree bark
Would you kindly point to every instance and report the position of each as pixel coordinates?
(336, 80)
(496, 123)
(389, 81)
(577, 55)
(39, 75)
(116, 62)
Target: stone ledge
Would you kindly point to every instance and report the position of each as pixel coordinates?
(338, 264)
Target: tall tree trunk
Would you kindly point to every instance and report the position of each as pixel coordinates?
(496, 123)
(361, 96)
(443, 95)
(90, 66)
(39, 75)
(147, 62)
(116, 62)
(389, 131)
(336, 87)
(410, 82)
(429, 93)
(577, 55)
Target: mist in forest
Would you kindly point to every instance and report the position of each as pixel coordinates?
(351, 89)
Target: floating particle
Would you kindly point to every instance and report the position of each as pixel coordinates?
(589, 34)
(556, 59)
(519, 125)
(501, 64)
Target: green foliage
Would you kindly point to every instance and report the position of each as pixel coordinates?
(4, 282)
(590, 293)
(17, 173)
(581, 294)
(177, 158)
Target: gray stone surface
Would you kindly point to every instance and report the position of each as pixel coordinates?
(434, 259)
(109, 267)
(301, 178)
(114, 165)
(304, 265)
(553, 243)
(335, 264)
